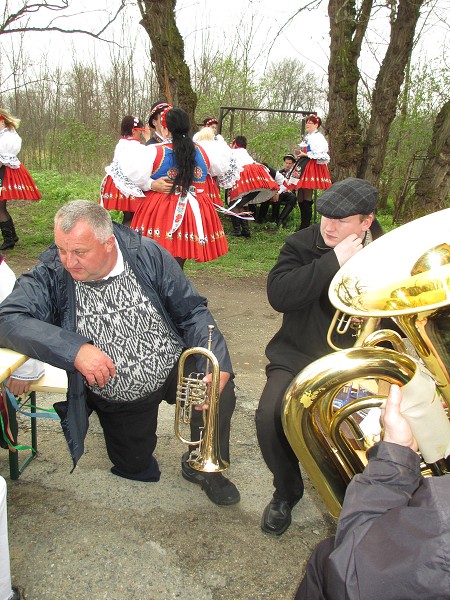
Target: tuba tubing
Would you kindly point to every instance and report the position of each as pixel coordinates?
(313, 427)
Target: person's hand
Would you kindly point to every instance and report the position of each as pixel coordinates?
(94, 365)
(18, 386)
(275, 197)
(396, 427)
(223, 380)
(347, 248)
(162, 185)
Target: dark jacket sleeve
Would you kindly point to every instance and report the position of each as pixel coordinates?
(185, 308)
(301, 274)
(30, 321)
(386, 547)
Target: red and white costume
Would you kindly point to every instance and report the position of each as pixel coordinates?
(186, 225)
(17, 182)
(314, 175)
(117, 191)
(253, 178)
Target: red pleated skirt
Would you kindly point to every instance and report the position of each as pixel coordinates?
(212, 189)
(113, 199)
(253, 178)
(154, 219)
(18, 185)
(314, 177)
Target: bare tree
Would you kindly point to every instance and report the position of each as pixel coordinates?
(17, 20)
(172, 72)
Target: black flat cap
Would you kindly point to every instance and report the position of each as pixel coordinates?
(290, 156)
(348, 197)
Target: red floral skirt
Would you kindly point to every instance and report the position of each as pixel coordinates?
(254, 178)
(18, 185)
(113, 199)
(314, 177)
(155, 216)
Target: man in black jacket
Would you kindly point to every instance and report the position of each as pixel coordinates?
(393, 535)
(298, 287)
(116, 312)
(159, 132)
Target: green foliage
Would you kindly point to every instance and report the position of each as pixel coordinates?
(79, 148)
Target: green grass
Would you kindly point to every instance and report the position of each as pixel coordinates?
(34, 224)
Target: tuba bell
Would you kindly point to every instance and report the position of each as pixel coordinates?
(404, 275)
(193, 392)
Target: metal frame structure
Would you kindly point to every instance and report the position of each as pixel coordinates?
(225, 110)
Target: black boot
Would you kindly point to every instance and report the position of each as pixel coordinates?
(306, 213)
(236, 222)
(284, 215)
(16, 239)
(245, 229)
(7, 229)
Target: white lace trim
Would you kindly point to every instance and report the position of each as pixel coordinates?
(232, 174)
(10, 160)
(122, 183)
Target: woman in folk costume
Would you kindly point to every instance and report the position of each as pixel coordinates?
(310, 171)
(117, 192)
(224, 168)
(255, 178)
(16, 182)
(184, 221)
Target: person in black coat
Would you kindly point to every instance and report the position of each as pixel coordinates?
(298, 287)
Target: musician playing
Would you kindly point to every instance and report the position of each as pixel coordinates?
(393, 535)
(298, 287)
(115, 311)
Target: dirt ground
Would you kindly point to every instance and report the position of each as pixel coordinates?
(91, 535)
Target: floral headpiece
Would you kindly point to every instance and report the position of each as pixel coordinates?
(209, 122)
(164, 114)
(314, 119)
(157, 108)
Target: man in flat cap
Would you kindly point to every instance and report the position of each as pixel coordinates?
(298, 287)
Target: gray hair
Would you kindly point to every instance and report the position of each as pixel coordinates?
(83, 210)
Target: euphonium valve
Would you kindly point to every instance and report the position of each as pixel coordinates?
(192, 392)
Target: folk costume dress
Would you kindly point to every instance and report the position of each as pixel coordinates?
(224, 170)
(117, 191)
(254, 178)
(311, 171)
(187, 225)
(15, 180)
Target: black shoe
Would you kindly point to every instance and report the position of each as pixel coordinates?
(18, 593)
(218, 488)
(277, 517)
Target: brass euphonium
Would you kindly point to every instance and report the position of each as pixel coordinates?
(193, 392)
(404, 275)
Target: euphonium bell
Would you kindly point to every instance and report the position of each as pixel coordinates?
(404, 275)
(193, 392)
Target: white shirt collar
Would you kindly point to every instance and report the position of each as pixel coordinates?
(119, 266)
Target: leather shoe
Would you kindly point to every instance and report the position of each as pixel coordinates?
(277, 517)
(218, 488)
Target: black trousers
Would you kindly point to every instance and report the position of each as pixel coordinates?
(277, 453)
(130, 427)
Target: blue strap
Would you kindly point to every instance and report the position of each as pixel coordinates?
(51, 414)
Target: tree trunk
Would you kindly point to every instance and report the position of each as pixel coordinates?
(172, 72)
(433, 187)
(347, 29)
(387, 89)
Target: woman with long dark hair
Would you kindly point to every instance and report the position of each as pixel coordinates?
(184, 221)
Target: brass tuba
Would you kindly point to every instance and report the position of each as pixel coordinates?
(404, 275)
(192, 391)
